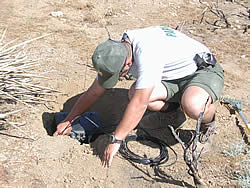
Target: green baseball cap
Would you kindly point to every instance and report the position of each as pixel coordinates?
(108, 59)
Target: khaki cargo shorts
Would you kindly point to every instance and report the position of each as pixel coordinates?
(210, 78)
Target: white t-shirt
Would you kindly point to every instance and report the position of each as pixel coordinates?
(162, 53)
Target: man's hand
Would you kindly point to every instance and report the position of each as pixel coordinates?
(109, 154)
(62, 130)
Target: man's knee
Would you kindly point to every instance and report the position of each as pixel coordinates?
(194, 104)
(191, 107)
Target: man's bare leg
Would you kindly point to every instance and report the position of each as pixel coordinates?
(157, 98)
(193, 102)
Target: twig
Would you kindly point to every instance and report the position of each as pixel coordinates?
(241, 4)
(3, 35)
(14, 124)
(107, 31)
(190, 155)
(181, 27)
(3, 116)
(16, 99)
(217, 12)
(25, 42)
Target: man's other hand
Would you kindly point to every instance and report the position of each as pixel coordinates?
(62, 130)
(109, 154)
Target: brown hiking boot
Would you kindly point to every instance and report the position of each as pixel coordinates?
(207, 132)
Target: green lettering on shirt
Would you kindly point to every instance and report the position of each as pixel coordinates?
(168, 32)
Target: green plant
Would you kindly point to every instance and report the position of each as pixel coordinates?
(241, 174)
(236, 149)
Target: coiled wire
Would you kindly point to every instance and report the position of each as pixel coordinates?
(162, 158)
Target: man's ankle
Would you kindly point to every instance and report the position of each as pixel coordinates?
(210, 123)
(207, 130)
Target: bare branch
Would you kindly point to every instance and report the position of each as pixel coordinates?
(190, 155)
(3, 116)
(218, 13)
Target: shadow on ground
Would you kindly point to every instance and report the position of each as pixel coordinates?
(111, 107)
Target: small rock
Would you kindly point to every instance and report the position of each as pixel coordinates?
(66, 180)
(93, 178)
(57, 180)
(56, 13)
(3, 158)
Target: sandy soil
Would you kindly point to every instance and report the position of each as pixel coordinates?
(46, 161)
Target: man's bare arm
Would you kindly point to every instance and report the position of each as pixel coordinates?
(86, 100)
(134, 112)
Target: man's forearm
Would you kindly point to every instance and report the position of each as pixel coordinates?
(81, 106)
(86, 100)
(131, 118)
(134, 113)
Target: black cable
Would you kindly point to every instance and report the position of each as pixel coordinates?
(162, 158)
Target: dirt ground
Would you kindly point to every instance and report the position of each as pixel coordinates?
(46, 161)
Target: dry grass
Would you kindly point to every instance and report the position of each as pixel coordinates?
(19, 82)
